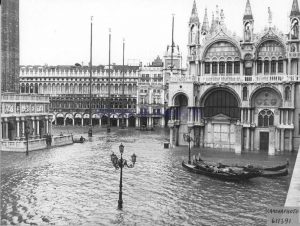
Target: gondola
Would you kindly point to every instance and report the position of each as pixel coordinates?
(221, 174)
(278, 173)
(250, 167)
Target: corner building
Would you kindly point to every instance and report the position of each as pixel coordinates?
(240, 93)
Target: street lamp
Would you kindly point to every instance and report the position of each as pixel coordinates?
(120, 163)
(187, 137)
(27, 131)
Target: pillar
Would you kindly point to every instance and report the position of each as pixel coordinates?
(126, 122)
(272, 141)
(171, 136)
(242, 115)
(118, 122)
(18, 128)
(64, 121)
(263, 67)
(289, 67)
(47, 124)
(247, 147)
(99, 122)
(22, 128)
(6, 128)
(238, 139)
(176, 136)
(252, 139)
(73, 121)
(282, 140)
(37, 127)
(81, 121)
(290, 140)
(33, 126)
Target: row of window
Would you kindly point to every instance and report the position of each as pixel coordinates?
(154, 111)
(230, 67)
(266, 65)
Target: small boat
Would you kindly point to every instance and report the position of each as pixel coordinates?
(79, 140)
(278, 173)
(223, 174)
(251, 167)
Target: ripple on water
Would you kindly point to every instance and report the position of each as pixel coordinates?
(77, 185)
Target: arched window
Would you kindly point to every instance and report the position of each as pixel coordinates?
(266, 66)
(214, 67)
(221, 67)
(265, 118)
(273, 66)
(280, 66)
(207, 68)
(287, 93)
(245, 93)
(259, 66)
(229, 67)
(236, 67)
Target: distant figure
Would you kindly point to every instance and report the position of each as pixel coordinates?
(61, 134)
(81, 138)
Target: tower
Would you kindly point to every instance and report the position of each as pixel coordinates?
(248, 23)
(10, 45)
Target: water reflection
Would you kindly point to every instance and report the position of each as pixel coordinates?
(77, 185)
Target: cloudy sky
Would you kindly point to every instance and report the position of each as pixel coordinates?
(57, 32)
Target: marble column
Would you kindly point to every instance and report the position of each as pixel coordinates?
(252, 139)
(247, 147)
(33, 126)
(126, 121)
(282, 140)
(81, 121)
(18, 128)
(171, 137)
(47, 125)
(290, 140)
(22, 127)
(37, 127)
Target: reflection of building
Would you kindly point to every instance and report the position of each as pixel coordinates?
(68, 87)
(241, 95)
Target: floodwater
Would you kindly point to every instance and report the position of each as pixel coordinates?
(77, 185)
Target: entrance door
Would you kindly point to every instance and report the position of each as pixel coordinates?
(264, 141)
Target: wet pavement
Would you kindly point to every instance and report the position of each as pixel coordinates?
(77, 185)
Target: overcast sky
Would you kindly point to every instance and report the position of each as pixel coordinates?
(57, 32)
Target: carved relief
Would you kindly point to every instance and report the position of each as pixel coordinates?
(9, 108)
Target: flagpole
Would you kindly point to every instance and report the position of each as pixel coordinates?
(123, 97)
(90, 132)
(108, 121)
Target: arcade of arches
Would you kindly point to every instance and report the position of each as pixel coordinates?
(220, 122)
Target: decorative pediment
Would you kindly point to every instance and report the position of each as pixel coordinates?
(220, 117)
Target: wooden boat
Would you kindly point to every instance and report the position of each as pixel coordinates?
(221, 174)
(278, 173)
(79, 140)
(250, 167)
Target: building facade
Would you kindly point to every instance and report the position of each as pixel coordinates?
(68, 87)
(240, 93)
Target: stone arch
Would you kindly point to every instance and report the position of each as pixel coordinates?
(265, 43)
(221, 101)
(266, 97)
(178, 94)
(220, 40)
(226, 88)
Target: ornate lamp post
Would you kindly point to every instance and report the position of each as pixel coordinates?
(187, 137)
(120, 163)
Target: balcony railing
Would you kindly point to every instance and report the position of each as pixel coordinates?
(237, 78)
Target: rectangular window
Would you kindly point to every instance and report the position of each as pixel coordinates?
(280, 66)
(229, 68)
(214, 67)
(236, 67)
(207, 68)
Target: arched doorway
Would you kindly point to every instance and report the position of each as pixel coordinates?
(221, 111)
(77, 119)
(60, 119)
(181, 111)
(131, 121)
(104, 120)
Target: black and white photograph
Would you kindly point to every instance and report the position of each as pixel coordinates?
(150, 112)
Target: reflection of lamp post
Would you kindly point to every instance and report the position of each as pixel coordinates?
(120, 163)
(187, 137)
(27, 131)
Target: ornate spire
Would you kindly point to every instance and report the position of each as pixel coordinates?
(212, 28)
(295, 9)
(205, 25)
(222, 17)
(194, 16)
(270, 17)
(248, 12)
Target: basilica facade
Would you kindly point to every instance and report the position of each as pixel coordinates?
(240, 93)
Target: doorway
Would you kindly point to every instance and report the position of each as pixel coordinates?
(264, 141)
